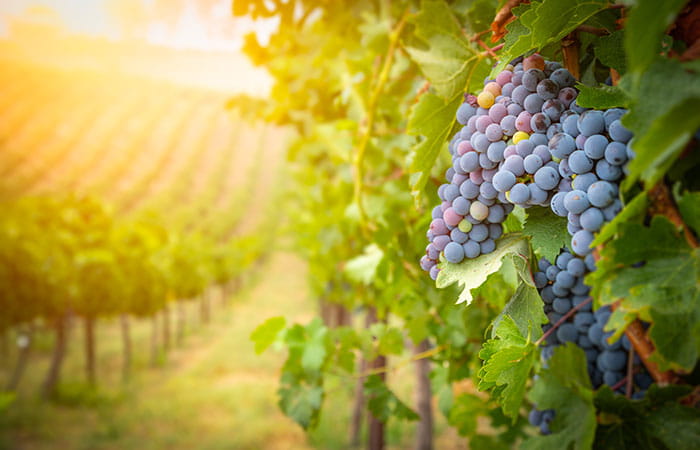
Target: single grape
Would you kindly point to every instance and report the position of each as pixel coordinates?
(479, 211)
(570, 125)
(567, 333)
(472, 249)
(538, 196)
(533, 103)
(469, 190)
(487, 191)
(441, 241)
(583, 181)
(561, 305)
(465, 226)
(438, 227)
(576, 201)
(553, 108)
(601, 194)
(496, 214)
(581, 242)
(563, 78)
(464, 112)
(469, 161)
(591, 122)
(519, 94)
(451, 192)
(567, 95)
(592, 219)
(451, 217)
(495, 230)
(612, 114)
(557, 204)
(562, 145)
(495, 151)
(458, 236)
(531, 79)
(616, 153)
(519, 193)
(485, 162)
(546, 178)
(580, 163)
(487, 246)
(482, 122)
(454, 252)
(426, 263)
(618, 132)
(503, 180)
(434, 271)
(461, 205)
(539, 123)
(515, 165)
(498, 112)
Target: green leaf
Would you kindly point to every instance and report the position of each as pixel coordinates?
(565, 387)
(644, 28)
(266, 333)
(508, 360)
(664, 290)
(602, 97)
(383, 403)
(472, 273)
(363, 268)
(547, 232)
(610, 50)
(544, 23)
(689, 206)
(432, 118)
(525, 308)
(662, 118)
(446, 57)
(633, 211)
(314, 352)
(302, 403)
(658, 421)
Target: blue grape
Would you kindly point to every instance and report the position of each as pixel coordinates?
(532, 163)
(464, 112)
(614, 360)
(610, 211)
(538, 196)
(563, 259)
(437, 212)
(570, 125)
(458, 236)
(531, 78)
(557, 204)
(540, 280)
(434, 272)
(495, 151)
(565, 279)
(539, 122)
(553, 129)
(480, 142)
(538, 139)
(479, 232)
(485, 162)
(524, 148)
(519, 193)
(515, 165)
(583, 181)
(461, 205)
(552, 272)
(616, 153)
(454, 253)
(591, 122)
(561, 305)
(496, 214)
(533, 103)
(562, 145)
(487, 191)
(553, 109)
(503, 180)
(494, 132)
(612, 115)
(581, 242)
(472, 249)
(592, 219)
(469, 190)
(496, 229)
(576, 267)
(451, 192)
(576, 201)
(567, 332)
(579, 162)
(546, 178)
(618, 132)
(547, 89)
(601, 194)
(487, 246)
(563, 78)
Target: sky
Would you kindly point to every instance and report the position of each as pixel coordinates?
(217, 31)
(205, 25)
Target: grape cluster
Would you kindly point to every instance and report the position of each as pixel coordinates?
(562, 289)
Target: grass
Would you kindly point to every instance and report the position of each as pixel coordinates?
(213, 392)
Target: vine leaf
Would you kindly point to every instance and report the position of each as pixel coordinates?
(657, 421)
(565, 387)
(689, 206)
(508, 360)
(445, 56)
(611, 51)
(383, 403)
(472, 273)
(633, 211)
(266, 333)
(662, 119)
(644, 29)
(547, 232)
(431, 118)
(543, 23)
(663, 290)
(602, 97)
(363, 268)
(526, 311)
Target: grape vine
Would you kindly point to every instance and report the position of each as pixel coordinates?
(556, 125)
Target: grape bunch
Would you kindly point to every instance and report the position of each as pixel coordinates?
(562, 289)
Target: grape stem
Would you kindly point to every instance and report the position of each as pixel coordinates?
(563, 319)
